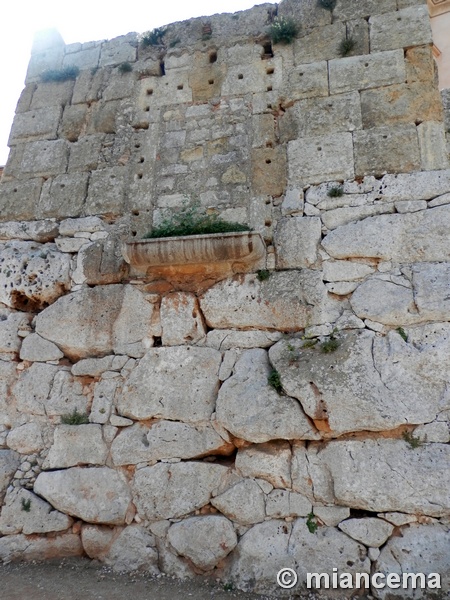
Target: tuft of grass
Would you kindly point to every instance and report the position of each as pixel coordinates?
(309, 342)
(125, 67)
(274, 380)
(402, 333)
(283, 30)
(311, 523)
(64, 74)
(75, 418)
(154, 37)
(263, 274)
(413, 441)
(192, 221)
(330, 345)
(346, 46)
(26, 504)
(228, 587)
(336, 191)
(327, 4)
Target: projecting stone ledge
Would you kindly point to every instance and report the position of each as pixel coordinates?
(196, 262)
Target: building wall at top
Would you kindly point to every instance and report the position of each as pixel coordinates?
(440, 25)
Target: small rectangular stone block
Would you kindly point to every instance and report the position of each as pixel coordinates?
(382, 150)
(321, 158)
(296, 242)
(321, 116)
(402, 29)
(41, 124)
(269, 170)
(45, 158)
(106, 191)
(433, 146)
(364, 72)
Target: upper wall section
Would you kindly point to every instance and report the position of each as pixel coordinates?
(440, 24)
(219, 113)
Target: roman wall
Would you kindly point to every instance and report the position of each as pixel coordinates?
(277, 398)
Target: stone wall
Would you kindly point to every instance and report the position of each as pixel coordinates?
(293, 416)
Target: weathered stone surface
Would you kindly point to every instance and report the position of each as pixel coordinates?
(10, 324)
(421, 549)
(100, 263)
(204, 540)
(249, 408)
(94, 366)
(104, 395)
(26, 439)
(296, 242)
(169, 491)
(267, 547)
(133, 550)
(9, 463)
(398, 519)
(434, 432)
(35, 231)
(98, 321)
(39, 518)
(368, 71)
(370, 531)
(320, 158)
(178, 383)
(69, 227)
(76, 445)
(95, 495)
(414, 186)
(342, 216)
(342, 395)
(286, 301)
(32, 275)
(386, 149)
(33, 387)
(18, 200)
(322, 43)
(36, 348)
(307, 81)
(63, 196)
(323, 116)
(331, 515)
(346, 9)
(242, 503)
(404, 28)
(382, 475)
(226, 339)
(181, 320)
(40, 124)
(106, 191)
(45, 158)
(270, 461)
(269, 170)
(23, 548)
(419, 237)
(345, 270)
(66, 396)
(166, 439)
(281, 504)
(433, 146)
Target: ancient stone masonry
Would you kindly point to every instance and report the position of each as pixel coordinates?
(276, 404)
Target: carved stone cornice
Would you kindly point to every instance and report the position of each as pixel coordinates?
(438, 7)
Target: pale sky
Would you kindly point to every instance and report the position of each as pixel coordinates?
(81, 21)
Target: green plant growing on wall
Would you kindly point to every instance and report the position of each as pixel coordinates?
(311, 523)
(263, 274)
(336, 191)
(26, 504)
(125, 67)
(327, 4)
(402, 333)
(192, 220)
(309, 342)
(274, 380)
(283, 30)
(75, 418)
(330, 345)
(154, 37)
(413, 441)
(346, 46)
(64, 74)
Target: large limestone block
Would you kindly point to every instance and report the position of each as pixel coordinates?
(52, 93)
(39, 517)
(40, 124)
(26, 439)
(307, 81)
(322, 43)
(118, 50)
(133, 550)
(342, 270)
(36, 348)
(181, 319)
(33, 387)
(433, 146)
(296, 242)
(18, 200)
(270, 546)
(76, 445)
(38, 548)
(367, 71)
(281, 504)
(289, 301)
(315, 159)
(342, 216)
(98, 321)
(249, 408)
(392, 149)
(178, 383)
(243, 503)
(45, 158)
(95, 495)
(401, 238)
(203, 540)
(106, 191)
(370, 531)
(404, 28)
(166, 439)
(169, 491)
(10, 325)
(414, 186)
(35, 231)
(32, 275)
(66, 396)
(420, 549)
(382, 475)
(8, 376)
(368, 383)
(347, 9)
(269, 171)
(100, 263)
(270, 461)
(63, 196)
(9, 463)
